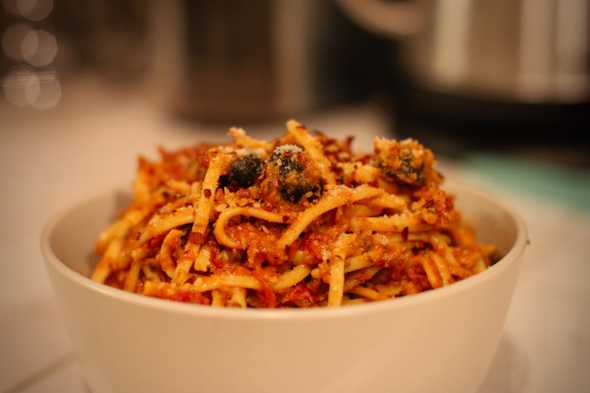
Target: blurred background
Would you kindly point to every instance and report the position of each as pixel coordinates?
(485, 81)
(499, 89)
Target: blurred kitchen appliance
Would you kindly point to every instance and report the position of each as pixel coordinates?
(483, 67)
(257, 60)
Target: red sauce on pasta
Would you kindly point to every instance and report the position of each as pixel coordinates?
(299, 221)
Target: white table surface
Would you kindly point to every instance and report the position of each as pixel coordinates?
(51, 160)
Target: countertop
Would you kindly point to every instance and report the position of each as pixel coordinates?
(52, 159)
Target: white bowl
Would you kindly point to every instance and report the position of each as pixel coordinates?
(437, 341)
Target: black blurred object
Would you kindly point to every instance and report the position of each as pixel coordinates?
(454, 124)
(260, 60)
(486, 74)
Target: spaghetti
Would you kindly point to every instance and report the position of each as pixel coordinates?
(300, 221)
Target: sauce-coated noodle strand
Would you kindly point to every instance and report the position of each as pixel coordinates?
(202, 214)
(165, 256)
(313, 147)
(223, 238)
(368, 293)
(395, 223)
(291, 277)
(342, 247)
(336, 197)
(243, 140)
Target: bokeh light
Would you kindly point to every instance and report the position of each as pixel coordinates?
(34, 10)
(21, 87)
(39, 48)
(12, 40)
(34, 86)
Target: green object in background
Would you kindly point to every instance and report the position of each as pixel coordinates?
(567, 186)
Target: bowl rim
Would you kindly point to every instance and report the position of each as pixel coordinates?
(53, 263)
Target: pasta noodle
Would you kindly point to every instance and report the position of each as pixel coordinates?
(342, 247)
(166, 250)
(243, 140)
(203, 259)
(238, 297)
(367, 293)
(388, 201)
(336, 197)
(291, 277)
(313, 148)
(395, 223)
(299, 221)
(202, 211)
(229, 213)
(159, 224)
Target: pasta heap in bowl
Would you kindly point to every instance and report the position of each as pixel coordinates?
(300, 221)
